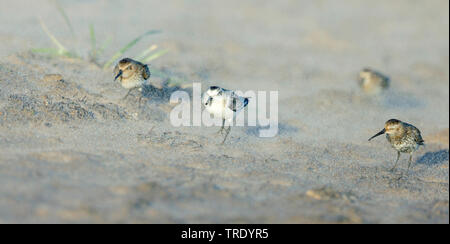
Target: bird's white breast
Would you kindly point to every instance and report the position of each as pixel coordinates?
(219, 108)
(132, 83)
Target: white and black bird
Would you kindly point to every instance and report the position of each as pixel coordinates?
(224, 104)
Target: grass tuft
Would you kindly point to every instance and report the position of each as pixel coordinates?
(61, 50)
(95, 50)
(147, 55)
(93, 40)
(154, 56)
(146, 52)
(127, 47)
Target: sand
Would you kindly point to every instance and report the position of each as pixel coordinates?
(71, 151)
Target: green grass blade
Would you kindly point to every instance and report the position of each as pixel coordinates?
(61, 48)
(64, 15)
(52, 51)
(104, 45)
(155, 55)
(93, 41)
(145, 53)
(128, 46)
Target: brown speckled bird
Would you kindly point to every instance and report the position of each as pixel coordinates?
(372, 82)
(131, 74)
(404, 138)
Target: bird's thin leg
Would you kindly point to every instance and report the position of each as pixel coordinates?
(410, 161)
(129, 91)
(221, 128)
(396, 162)
(226, 135)
(140, 100)
(409, 165)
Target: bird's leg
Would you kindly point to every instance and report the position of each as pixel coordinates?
(410, 161)
(409, 165)
(140, 97)
(226, 135)
(221, 128)
(395, 165)
(129, 92)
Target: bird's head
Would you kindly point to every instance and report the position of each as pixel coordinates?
(128, 68)
(213, 91)
(210, 94)
(391, 127)
(365, 74)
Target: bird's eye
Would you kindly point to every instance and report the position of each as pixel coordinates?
(130, 67)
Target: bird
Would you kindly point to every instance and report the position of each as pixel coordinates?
(224, 104)
(373, 82)
(132, 74)
(403, 137)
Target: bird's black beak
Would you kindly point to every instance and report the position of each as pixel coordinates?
(378, 134)
(209, 101)
(118, 75)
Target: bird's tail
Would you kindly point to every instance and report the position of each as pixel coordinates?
(246, 100)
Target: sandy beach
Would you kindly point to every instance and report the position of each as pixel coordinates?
(73, 151)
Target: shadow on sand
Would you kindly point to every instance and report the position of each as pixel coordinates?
(161, 95)
(401, 100)
(433, 158)
(283, 129)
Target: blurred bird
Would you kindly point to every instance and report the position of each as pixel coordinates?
(131, 74)
(404, 138)
(224, 104)
(372, 82)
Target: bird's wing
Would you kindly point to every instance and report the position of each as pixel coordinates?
(383, 79)
(385, 82)
(146, 72)
(236, 102)
(416, 135)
